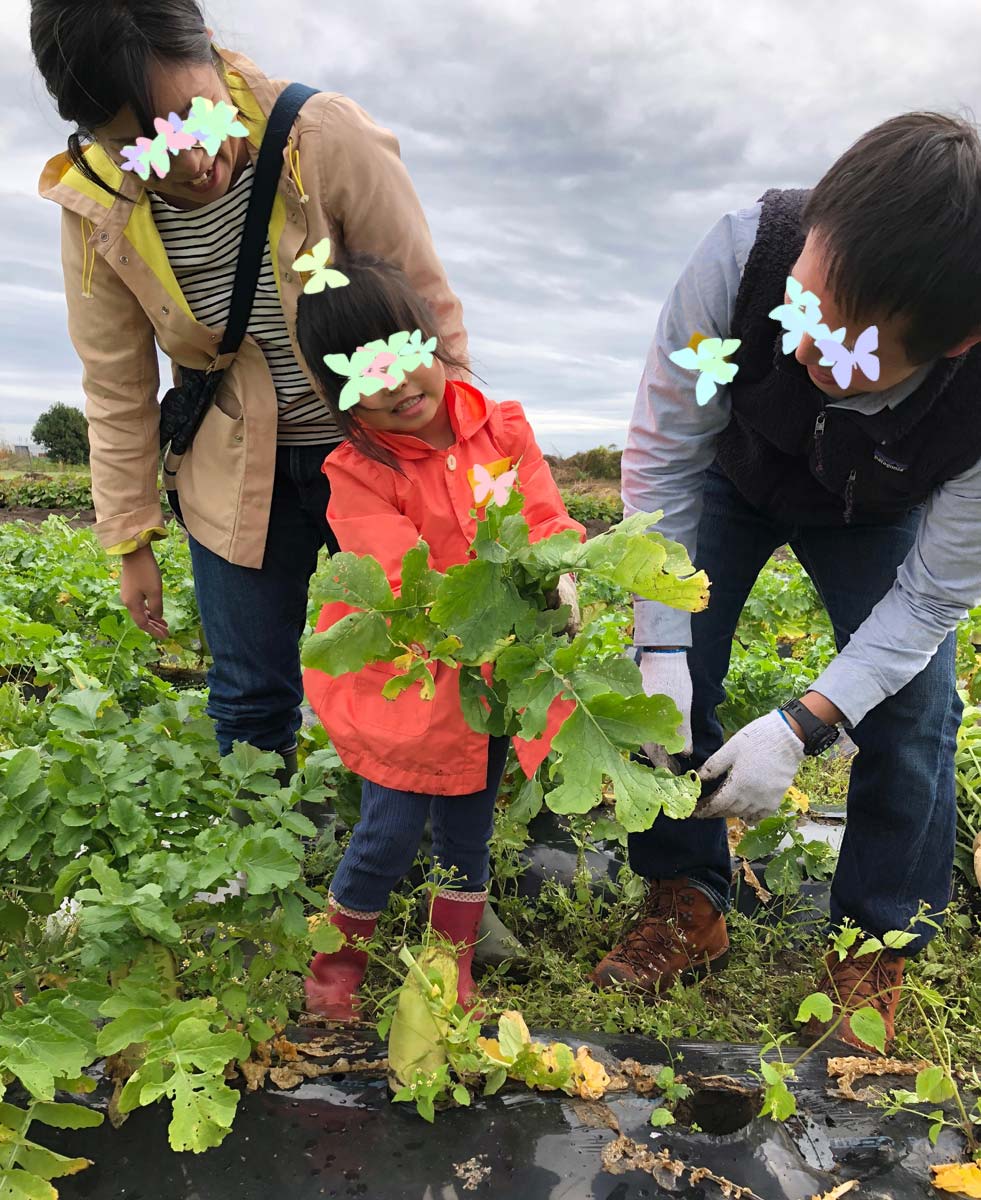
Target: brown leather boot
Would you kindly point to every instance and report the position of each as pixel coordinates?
(872, 981)
(681, 935)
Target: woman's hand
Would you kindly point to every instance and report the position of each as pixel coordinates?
(141, 590)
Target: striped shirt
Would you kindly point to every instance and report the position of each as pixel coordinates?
(202, 246)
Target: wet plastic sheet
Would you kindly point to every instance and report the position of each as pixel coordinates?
(340, 1136)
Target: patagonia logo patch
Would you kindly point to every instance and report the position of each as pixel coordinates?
(891, 464)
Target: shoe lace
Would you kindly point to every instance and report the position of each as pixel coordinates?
(859, 981)
(653, 933)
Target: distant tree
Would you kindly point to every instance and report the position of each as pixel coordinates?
(63, 431)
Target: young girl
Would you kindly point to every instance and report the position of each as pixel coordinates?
(405, 473)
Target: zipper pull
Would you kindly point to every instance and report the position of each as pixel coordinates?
(850, 496)
(818, 436)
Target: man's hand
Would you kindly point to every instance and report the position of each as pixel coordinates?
(759, 763)
(665, 673)
(141, 590)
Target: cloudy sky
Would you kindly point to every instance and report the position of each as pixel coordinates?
(569, 155)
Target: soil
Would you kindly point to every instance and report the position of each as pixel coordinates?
(77, 519)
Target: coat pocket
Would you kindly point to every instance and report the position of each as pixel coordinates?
(405, 716)
(210, 475)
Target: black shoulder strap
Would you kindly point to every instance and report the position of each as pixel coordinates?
(256, 232)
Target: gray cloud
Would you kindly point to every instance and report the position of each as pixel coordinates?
(569, 155)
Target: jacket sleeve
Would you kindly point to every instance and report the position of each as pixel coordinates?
(364, 514)
(544, 508)
(366, 188)
(120, 378)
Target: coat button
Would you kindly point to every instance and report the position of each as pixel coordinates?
(451, 462)
(124, 260)
(165, 310)
(103, 237)
(288, 277)
(237, 437)
(214, 337)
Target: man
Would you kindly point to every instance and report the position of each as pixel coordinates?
(872, 476)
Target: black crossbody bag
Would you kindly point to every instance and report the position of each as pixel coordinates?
(184, 406)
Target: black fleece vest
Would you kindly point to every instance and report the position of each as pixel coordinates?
(794, 457)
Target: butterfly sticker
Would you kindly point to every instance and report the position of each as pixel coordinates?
(213, 123)
(709, 360)
(844, 360)
(208, 124)
(174, 133)
(380, 364)
(411, 350)
(317, 262)
(148, 154)
(490, 487)
(799, 315)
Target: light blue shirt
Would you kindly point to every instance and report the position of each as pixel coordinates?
(672, 442)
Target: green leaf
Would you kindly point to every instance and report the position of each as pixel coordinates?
(20, 772)
(869, 1027)
(478, 605)
(461, 1095)
(66, 1116)
(419, 580)
(762, 840)
(204, 1109)
(783, 873)
(496, 1079)
(589, 745)
(934, 1086)
(21, 1185)
(235, 1000)
(13, 920)
(510, 1038)
(38, 1160)
(326, 938)
(359, 582)
(354, 641)
(871, 945)
(816, 1005)
(778, 1102)
(661, 1117)
(268, 864)
(896, 939)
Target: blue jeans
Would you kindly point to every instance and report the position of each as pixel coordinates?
(254, 617)
(899, 840)
(385, 841)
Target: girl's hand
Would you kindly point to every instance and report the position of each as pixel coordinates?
(141, 590)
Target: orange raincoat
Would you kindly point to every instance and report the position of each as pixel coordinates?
(409, 743)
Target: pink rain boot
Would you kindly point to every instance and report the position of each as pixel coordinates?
(332, 989)
(456, 916)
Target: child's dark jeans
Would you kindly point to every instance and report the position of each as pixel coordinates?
(386, 839)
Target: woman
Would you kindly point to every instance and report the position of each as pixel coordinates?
(151, 263)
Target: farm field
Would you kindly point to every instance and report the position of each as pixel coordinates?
(115, 829)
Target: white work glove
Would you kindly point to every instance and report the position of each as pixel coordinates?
(761, 761)
(666, 673)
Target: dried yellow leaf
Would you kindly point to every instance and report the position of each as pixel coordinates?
(963, 1178)
(589, 1076)
(800, 801)
(492, 1048)
(836, 1193)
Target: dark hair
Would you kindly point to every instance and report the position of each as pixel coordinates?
(898, 217)
(378, 301)
(95, 58)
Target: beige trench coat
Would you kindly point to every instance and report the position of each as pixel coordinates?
(123, 297)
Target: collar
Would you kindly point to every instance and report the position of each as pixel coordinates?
(469, 410)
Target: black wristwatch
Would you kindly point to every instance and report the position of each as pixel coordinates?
(818, 734)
